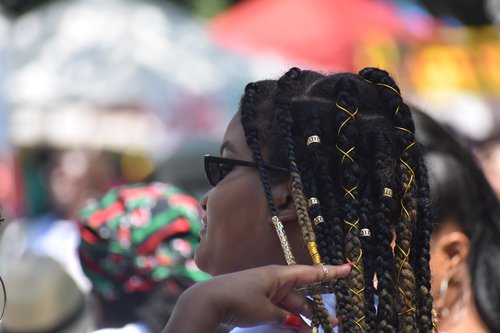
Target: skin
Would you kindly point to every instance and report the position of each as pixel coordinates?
(239, 236)
(449, 252)
(248, 298)
(238, 232)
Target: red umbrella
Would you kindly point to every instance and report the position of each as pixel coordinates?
(316, 33)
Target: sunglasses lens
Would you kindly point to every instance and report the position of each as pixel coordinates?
(214, 173)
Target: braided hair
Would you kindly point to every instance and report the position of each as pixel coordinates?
(358, 177)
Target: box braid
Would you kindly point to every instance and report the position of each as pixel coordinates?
(365, 146)
(385, 211)
(424, 231)
(283, 103)
(347, 135)
(415, 201)
(252, 137)
(405, 278)
(316, 169)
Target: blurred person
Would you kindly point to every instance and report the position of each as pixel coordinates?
(137, 244)
(488, 153)
(44, 298)
(465, 251)
(72, 175)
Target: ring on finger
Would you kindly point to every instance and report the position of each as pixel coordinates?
(325, 273)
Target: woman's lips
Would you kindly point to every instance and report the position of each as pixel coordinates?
(203, 227)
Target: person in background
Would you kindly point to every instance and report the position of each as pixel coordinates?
(136, 248)
(44, 298)
(315, 169)
(465, 251)
(488, 153)
(71, 176)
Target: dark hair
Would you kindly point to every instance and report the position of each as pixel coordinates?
(461, 191)
(367, 144)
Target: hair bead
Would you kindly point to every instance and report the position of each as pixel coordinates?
(365, 232)
(312, 201)
(318, 219)
(387, 192)
(313, 139)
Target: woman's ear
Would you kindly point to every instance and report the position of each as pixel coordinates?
(456, 247)
(282, 196)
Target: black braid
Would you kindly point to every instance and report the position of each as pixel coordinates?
(422, 253)
(252, 137)
(387, 208)
(283, 103)
(367, 245)
(410, 156)
(350, 172)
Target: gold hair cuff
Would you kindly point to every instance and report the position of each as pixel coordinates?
(365, 232)
(387, 192)
(318, 219)
(313, 251)
(313, 201)
(313, 139)
(280, 231)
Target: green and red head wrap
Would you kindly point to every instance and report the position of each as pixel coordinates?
(138, 235)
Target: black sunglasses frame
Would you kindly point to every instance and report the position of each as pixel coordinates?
(209, 159)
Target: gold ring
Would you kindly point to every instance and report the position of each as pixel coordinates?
(325, 273)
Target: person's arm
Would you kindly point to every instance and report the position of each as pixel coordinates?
(248, 298)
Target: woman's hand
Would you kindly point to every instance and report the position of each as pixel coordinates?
(252, 297)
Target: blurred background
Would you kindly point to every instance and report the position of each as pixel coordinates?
(99, 93)
(94, 93)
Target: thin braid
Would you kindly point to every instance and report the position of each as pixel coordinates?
(285, 83)
(424, 231)
(251, 133)
(367, 246)
(385, 211)
(252, 137)
(404, 127)
(350, 181)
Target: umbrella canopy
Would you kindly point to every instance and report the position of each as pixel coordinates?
(101, 57)
(319, 33)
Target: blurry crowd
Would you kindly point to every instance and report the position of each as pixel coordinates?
(119, 263)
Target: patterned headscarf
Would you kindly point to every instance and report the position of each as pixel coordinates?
(138, 235)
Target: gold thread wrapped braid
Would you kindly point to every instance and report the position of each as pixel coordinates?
(353, 251)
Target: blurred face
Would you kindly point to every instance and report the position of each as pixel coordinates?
(237, 230)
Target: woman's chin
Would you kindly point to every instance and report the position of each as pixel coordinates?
(201, 259)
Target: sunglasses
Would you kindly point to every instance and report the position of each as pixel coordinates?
(216, 168)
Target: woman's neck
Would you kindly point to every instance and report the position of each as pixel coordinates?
(464, 321)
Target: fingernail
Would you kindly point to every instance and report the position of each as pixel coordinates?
(334, 321)
(292, 320)
(348, 264)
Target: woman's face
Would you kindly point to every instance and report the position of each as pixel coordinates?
(237, 232)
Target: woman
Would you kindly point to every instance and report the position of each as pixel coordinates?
(317, 169)
(465, 251)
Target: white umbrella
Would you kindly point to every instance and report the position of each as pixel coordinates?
(123, 54)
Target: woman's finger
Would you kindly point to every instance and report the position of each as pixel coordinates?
(303, 274)
(297, 303)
